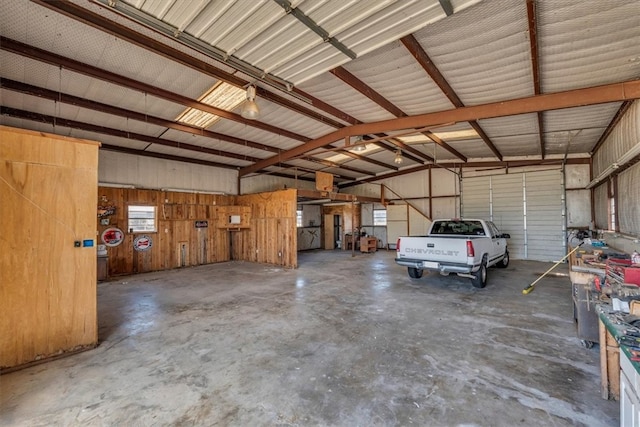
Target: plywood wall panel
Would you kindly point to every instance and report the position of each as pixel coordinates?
(272, 237)
(47, 285)
(176, 213)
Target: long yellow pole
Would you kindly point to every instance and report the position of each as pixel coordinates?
(529, 288)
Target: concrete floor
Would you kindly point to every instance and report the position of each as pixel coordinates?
(340, 341)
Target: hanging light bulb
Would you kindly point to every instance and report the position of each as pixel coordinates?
(398, 160)
(250, 109)
(358, 145)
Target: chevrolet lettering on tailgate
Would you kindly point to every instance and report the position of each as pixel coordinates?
(431, 252)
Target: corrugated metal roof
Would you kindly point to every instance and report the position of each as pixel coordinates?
(482, 51)
(585, 44)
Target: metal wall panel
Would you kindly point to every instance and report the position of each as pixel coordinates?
(624, 136)
(145, 172)
(545, 221)
(397, 223)
(418, 224)
(528, 206)
(476, 197)
(600, 200)
(508, 211)
(629, 205)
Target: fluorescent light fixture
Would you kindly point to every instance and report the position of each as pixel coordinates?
(115, 185)
(222, 95)
(623, 160)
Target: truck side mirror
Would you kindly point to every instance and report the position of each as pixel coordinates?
(505, 236)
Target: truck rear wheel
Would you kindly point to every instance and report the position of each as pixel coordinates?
(414, 273)
(480, 279)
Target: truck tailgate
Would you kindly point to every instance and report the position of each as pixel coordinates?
(437, 249)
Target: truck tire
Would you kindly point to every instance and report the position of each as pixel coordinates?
(414, 273)
(505, 261)
(480, 279)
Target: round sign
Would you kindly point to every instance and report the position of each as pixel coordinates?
(112, 236)
(142, 243)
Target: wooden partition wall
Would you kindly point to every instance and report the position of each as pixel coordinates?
(190, 229)
(272, 237)
(48, 254)
(177, 242)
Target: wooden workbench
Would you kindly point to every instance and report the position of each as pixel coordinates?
(609, 354)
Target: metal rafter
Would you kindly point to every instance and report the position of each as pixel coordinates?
(363, 88)
(109, 109)
(552, 101)
(490, 164)
(95, 72)
(97, 21)
(415, 48)
(363, 158)
(407, 150)
(127, 150)
(116, 111)
(535, 67)
(331, 164)
(58, 121)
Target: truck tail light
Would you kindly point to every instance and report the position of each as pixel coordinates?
(398, 245)
(470, 251)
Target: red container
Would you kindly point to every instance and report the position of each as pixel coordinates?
(621, 271)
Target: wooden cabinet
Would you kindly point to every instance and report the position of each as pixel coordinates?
(629, 400)
(48, 194)
(368, 244)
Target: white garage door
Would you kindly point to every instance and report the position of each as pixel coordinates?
(529, 206)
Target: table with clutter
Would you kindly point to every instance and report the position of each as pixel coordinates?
(606, 297)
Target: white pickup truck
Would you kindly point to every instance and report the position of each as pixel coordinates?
(466, 247)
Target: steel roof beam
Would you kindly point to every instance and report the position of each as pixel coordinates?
(415, 48)
(363, 88)
(95, 72)
(364, 159)
(97, 21)
(100, 22)
(335, 165)
(490, 164)
(535, 67)
(14, 112)
(613, 92)
(145, 118)
(135, 152)
(407, 150)
(116, 111)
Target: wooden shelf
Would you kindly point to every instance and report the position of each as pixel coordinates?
(368, 244)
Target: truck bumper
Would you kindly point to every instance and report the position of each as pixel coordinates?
(437, 266)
